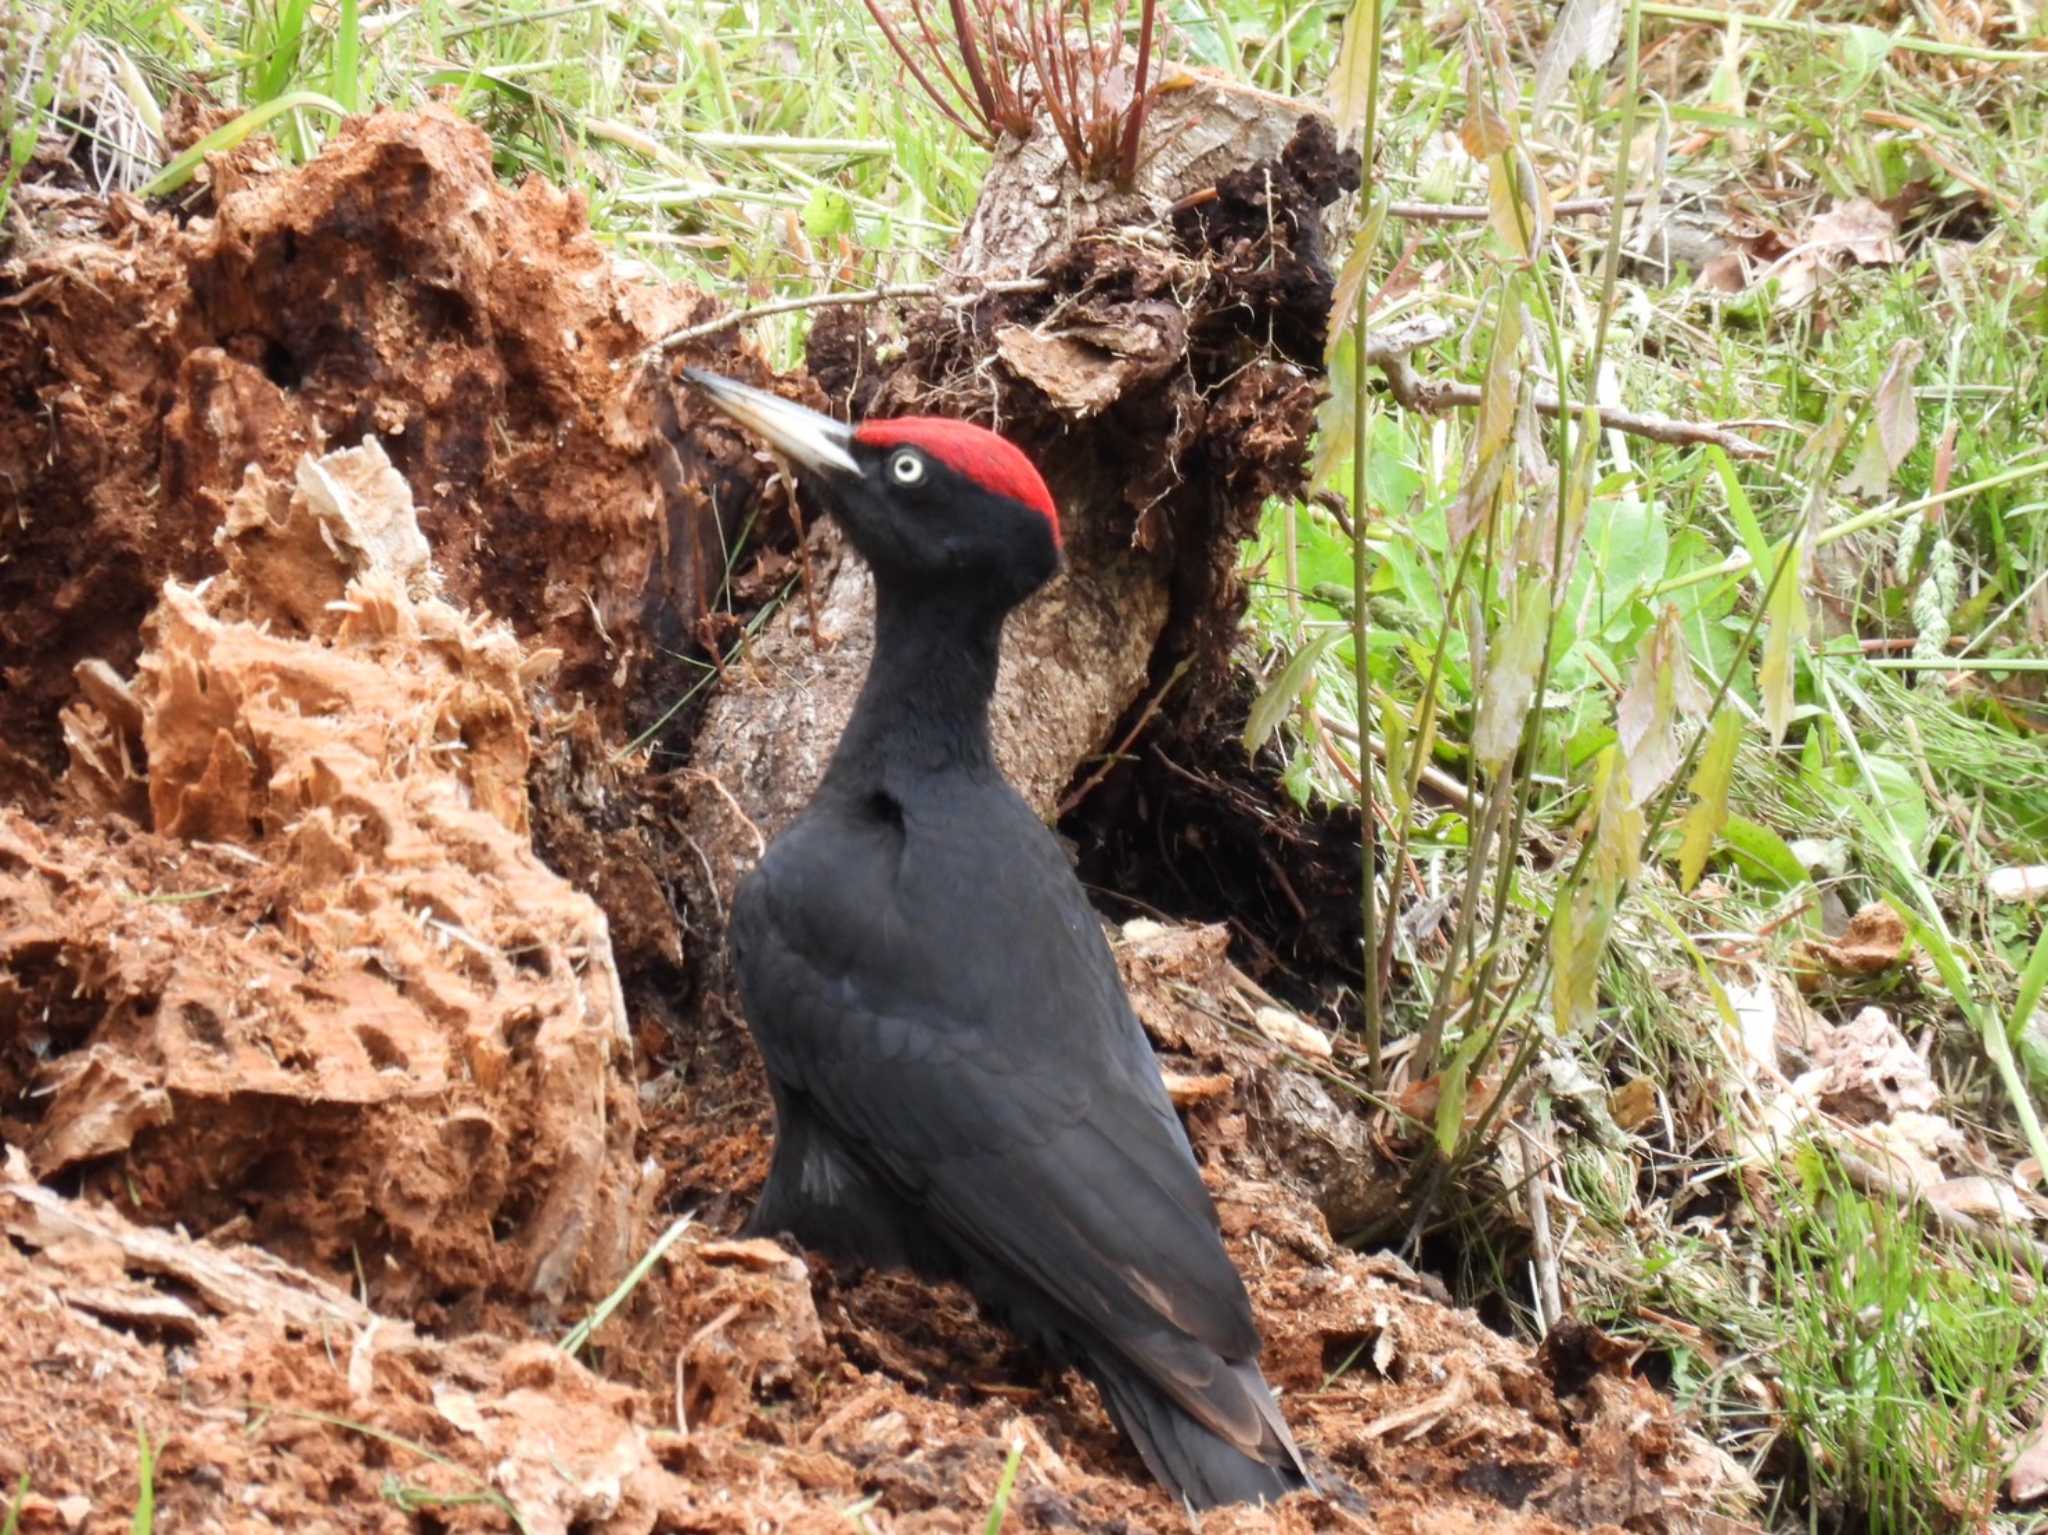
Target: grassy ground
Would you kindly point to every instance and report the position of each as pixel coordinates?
(1685, 711)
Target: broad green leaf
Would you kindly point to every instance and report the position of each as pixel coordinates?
(1452, 1090)
(1586, 743)
(827, 214)
(1354, 68)
(1861, 49)
(1885, 793)
(1323, 555)
(1709, 787)
(1626, 550)
(1297, 779)
(1762, 853)
(1412, 578)
(1279, 696)
(1784, 634)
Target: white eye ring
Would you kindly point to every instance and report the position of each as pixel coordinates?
(906, 467)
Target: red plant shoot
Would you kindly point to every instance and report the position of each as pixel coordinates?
(1003, 61)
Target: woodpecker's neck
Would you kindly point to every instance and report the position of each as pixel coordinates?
(924, 706)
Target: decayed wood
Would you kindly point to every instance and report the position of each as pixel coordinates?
(1034, 207)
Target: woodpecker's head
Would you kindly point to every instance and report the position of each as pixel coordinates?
(929, 503)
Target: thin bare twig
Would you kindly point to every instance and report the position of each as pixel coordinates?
(1122, 749)
(876, 295)
(1434, 396)
(1548, 1292)
(1479, 213)
(1388, 350)
(1434, 778)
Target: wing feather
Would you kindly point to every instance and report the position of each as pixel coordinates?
(999, 1080)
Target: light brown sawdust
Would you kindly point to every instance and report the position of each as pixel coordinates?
(752, 1416)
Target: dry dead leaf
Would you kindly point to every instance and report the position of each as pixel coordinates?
(1857, 230)
(1911, 1146)
(1727, 272)
(1756, 1017)
(1292, 1032)
(2018, 882)
(1586, 32)
(1873, 943)
(1979, 1197)
(1634, 1103)
(1894, 424)
(1662, 692)
(460, 1409)
(1184, 1089)
(1871, 1072)
(2027, 1481)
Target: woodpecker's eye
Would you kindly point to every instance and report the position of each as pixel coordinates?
(906, 467)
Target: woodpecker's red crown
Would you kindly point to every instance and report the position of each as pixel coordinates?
(992, 462)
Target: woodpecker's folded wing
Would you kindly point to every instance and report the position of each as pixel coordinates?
(1006, 1090)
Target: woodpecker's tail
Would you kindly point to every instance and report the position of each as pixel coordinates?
(1189, 1457)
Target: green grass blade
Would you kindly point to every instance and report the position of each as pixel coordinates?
(345, 79)
(145, 1496)
(578, 1337)
(12, 1522)
(228, 135)
(999, 1510)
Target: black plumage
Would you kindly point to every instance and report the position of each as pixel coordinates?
(961, 1086)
